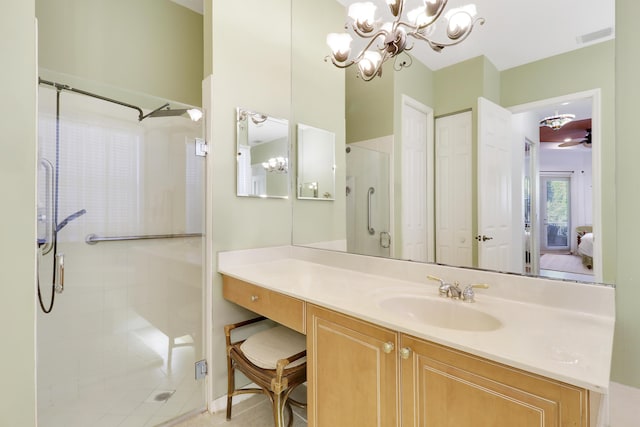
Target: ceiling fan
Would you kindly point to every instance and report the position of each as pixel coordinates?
(586, 141)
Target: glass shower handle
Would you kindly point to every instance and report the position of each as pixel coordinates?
(59, 287)
(47, 215)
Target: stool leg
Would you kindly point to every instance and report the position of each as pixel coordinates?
(278, 409)
(231, 385)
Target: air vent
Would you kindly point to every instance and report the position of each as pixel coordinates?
(596, 35)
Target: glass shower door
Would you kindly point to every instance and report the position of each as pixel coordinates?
(121, 203)
(368, 202)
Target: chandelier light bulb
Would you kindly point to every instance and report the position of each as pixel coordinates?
(369, 64)
(394, 5)
(460, 19)
(418, 16)
(432, 7)
(364, 15)
(340, 45)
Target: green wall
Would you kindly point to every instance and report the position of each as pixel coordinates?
(153, 47)
(369, 105)
(317, 100)
(258, 79)
(17, 220)
(626, 351)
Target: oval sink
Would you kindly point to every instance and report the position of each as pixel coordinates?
(443, 313)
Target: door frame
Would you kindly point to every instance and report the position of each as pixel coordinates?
(596, 163)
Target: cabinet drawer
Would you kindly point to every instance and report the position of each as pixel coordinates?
(280, 308)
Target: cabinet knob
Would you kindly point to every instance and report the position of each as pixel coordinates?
(254, 298)
(388, 347)
(405, 352)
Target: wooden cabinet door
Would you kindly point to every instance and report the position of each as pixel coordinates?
(352, 374)
(442, 387)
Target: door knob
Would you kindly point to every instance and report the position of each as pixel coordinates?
(405, 352)
(483, 238)
(388, 347)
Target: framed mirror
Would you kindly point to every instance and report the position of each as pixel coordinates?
(262, 153)
(316, 163)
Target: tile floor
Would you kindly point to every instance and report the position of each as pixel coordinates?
(253, 412)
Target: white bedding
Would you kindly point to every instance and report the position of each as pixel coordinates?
(586, 245)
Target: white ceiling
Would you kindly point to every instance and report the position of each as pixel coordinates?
(517, 32)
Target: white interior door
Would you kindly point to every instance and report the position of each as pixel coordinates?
(495, 251)
(417, 176)
(453, 192)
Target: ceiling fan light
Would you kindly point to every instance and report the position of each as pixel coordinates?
(557, 121)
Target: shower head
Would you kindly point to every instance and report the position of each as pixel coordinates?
(165, 111)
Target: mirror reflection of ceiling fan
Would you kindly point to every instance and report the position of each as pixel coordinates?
(586, 141)
(574, 133)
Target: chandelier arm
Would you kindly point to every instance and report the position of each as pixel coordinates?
(413, 27)
(338, 64)
(439, 46)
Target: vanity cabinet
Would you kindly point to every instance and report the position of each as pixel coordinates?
(362, 374)
(365, 375)
(448, 388)
(352, 371)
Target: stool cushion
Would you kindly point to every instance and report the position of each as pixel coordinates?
(265, 348)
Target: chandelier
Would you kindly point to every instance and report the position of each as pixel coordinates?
(557, 121)
(387, 40)
(276, 164)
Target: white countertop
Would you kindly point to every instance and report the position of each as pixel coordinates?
(561, 330)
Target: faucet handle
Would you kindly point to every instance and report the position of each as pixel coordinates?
(468, 295)
(443, 289)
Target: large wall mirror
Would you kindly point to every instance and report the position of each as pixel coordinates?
(416, 136)
(262, 150)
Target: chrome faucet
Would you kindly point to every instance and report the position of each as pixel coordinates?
(449, 290)
(453, 291)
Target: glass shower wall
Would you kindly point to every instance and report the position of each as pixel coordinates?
(368, 201)
(120, 344)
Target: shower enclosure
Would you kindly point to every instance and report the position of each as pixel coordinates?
(120, 220)
(368, 201)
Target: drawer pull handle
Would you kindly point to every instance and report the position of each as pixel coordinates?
(387, 347)
(254, 298)
(405, 352)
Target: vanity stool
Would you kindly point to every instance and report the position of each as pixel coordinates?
(274, 359)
